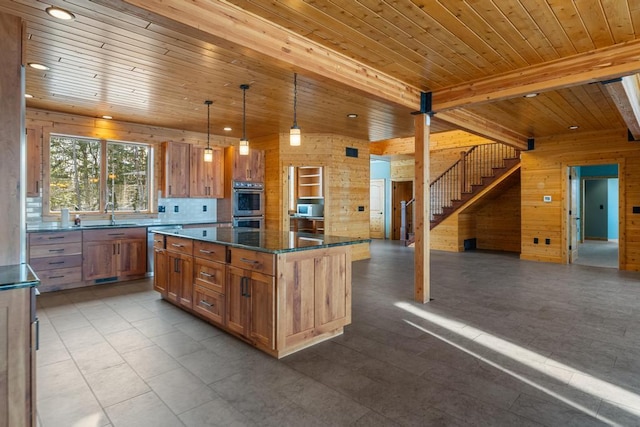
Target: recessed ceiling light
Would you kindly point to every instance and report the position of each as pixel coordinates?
(107, 117)
(227, 128)
(352, 115)
(574, 127)
(531, 95)
(28, 95)
(60, 13)
(38, 66)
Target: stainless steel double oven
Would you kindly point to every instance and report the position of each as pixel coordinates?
(248, 204)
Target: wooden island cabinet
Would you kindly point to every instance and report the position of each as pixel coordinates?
(278, 291)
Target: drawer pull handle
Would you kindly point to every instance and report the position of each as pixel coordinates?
(206, 252)
(56, 277)
(116, 234)
(55, 237)
(56, 263)
(250, 261)
(56, 250)
(202, 273)
(177, 245)
(206, 304)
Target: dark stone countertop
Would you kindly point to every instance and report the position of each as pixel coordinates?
(274, 242)
(17, 276)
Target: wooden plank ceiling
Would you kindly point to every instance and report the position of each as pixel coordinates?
(138, 65)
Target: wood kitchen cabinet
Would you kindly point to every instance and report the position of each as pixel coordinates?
(210, 281)
(160, 265)
(206, 178)
(180, 271)
(34, 162)
(250, 306)
(251, 296)
(248, 168)
(278, 302)
(56, 257)
(18, 349)
(114, 253)
(175, 170)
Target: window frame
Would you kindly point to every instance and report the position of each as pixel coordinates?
(48, 214)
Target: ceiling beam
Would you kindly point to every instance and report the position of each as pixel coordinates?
(594, 66)
(470, 122)
(234, 28)
(623, 95)
(437, 141)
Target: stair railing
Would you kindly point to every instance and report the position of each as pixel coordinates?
(473, 165)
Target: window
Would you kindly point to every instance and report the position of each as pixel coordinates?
(88, 175)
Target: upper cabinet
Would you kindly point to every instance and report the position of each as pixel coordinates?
(186, 174)
(246, 168)
(175, 174)
(34, 163)
(309, 180)
(207, 178)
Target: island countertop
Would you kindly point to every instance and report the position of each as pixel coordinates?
(17, 276)
(274, 242)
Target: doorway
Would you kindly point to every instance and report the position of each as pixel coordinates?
(593, 240)
(376, 209)
(401, 191)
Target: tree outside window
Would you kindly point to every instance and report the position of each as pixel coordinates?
(80, 176)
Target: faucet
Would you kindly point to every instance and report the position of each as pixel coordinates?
(113, 211)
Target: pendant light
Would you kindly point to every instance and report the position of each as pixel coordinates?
(244, 142)
(208, 152)
(294, 135)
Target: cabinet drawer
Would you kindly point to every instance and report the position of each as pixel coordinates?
(114, 234)
(42, 251)
(47, 238)
(61, 276)
(177, 244)
(55, 262)
(253, 260)
(210, 251)
(210, 274)
(158, 241)
(208, 303)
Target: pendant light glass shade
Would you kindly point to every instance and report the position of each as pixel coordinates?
(294, 133)
(208, 152)
(244, 142)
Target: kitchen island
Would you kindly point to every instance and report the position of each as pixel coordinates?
(278, 291)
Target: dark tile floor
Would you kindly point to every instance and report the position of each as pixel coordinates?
(504, 342)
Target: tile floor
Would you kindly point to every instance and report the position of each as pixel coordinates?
(504, 342)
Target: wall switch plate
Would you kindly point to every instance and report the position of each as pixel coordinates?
(176, 209)
(547, 241)
(204, 208)
(360, 208)
(535, 240)
(546, 199)
(161, 209)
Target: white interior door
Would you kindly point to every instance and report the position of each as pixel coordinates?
(376, 209)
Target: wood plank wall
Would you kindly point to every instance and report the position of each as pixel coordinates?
(497, 223)
(346, 182)
(543, 173)
(12, 139)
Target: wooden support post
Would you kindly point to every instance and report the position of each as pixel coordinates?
(422, 280)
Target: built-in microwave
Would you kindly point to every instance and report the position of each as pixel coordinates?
(248, 221)
(309, 209)
(248, 199)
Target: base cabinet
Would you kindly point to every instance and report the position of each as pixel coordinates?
(17, 363)
(114, 254)
(280, 303)
(250, 306)
(161, 274)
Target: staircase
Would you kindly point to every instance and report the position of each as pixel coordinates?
(476, 170)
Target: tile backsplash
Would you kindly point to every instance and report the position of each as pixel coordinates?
(187, 209)
(174, 209)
